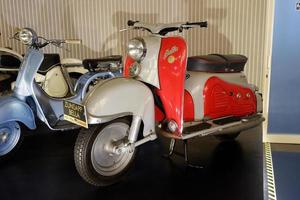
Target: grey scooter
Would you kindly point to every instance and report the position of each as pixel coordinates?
(29, 101)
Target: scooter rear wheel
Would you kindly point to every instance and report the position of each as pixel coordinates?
(94, 157)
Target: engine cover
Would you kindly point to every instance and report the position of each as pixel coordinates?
(223, 99)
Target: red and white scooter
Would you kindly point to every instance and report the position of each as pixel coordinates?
(186, 96)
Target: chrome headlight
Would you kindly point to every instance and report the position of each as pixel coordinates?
(135, 69)
(136, 49)
(113, 67)
(27, 36)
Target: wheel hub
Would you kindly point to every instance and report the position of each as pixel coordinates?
(110, 153)
(3, 137)
(9, 136)
(116, 147)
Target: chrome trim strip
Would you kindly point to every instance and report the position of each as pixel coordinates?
(269, 180)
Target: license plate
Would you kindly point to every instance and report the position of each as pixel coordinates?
(75, 113)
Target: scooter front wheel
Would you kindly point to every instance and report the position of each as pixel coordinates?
(10, 138)
(96, 158)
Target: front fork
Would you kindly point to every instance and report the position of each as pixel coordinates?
(131, 142)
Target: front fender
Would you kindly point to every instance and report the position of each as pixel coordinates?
(117, 97)
(13, 109)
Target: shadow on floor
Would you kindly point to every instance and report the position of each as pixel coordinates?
(44, 169)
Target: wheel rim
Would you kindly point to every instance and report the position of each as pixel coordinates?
(9, 136)
(104, 161)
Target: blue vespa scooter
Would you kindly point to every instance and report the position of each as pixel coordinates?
(29, 102)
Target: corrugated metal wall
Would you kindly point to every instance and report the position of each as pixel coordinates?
(235, 26)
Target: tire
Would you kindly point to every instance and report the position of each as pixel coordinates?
(108, 168)
(227, 137)
(11, 138)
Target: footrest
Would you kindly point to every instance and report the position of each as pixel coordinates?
(216, 127)
(226, 120)
(195, 128)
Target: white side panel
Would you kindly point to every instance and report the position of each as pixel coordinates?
(77, 69)
(149, 70)
(55, 84)
(196, 82)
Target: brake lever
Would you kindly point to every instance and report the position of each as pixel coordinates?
(15, 36)
(127, 29)
(42, 45)
(123, 30)
(61, 47)
(55, 42)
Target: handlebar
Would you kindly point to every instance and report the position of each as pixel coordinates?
(73, 41)
(163, 29)
(201, 24)
(57, 42)
(29, 37)
(131, 22)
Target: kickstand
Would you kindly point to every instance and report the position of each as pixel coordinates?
(171, 148)
(185, 155)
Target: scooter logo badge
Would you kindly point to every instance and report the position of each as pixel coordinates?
(171, 59)
(169, 52)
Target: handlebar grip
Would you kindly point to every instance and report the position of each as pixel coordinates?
(201, 24)
(131, 22)
(73, 41)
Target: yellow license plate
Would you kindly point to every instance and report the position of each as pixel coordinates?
(75, 113)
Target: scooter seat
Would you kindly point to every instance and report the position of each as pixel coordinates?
(50, 60)
(217, 63)
(102, 64)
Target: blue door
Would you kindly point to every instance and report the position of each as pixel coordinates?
(284, 101)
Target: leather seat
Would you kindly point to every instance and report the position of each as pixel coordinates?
(50, 60)
(217, 63)
(9, 62)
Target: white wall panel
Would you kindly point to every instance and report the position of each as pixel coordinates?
(235, 26)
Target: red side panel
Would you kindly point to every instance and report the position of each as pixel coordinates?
(189, 113)
(171, 69)
(128, 63)
(225, 99)
(159, 115)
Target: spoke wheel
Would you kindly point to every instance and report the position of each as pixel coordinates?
(96, 158)
(10, 134)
